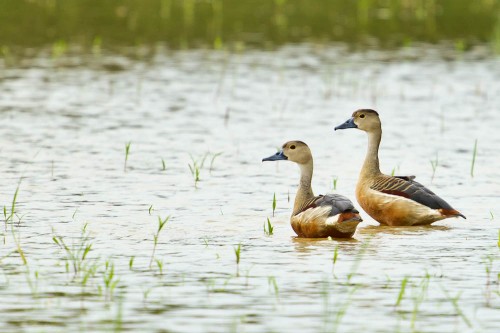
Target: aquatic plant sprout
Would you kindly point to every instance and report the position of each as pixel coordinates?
(274, 203)
(269, 230)
(156, 235)
(127, 151)
(335, 180)
(474, 153)
(434, 165)
(237, 252)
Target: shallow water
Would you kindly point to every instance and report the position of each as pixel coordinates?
(66, 122)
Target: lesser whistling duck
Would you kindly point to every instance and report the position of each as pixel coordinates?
(316, 216)
(394, 201)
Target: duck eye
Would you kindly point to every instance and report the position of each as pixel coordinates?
(362, 116)
(292, 147)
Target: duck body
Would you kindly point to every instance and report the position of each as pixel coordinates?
(393, 201)
(396, 208)
(330, 215)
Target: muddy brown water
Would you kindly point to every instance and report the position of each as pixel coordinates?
(65, 124)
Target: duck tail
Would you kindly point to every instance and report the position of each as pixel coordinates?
(349, 216)
(452, 213)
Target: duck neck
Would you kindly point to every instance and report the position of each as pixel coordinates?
(305, 192)
(371, 165)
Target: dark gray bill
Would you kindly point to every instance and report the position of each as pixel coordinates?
(276, 157)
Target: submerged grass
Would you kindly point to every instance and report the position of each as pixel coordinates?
(110, 281)
(335, 257)
(17, 241)
(131, 263)
(76, 254)
(127, 151)
(212, 161)
(271, 281)
(269, 230)
(474, 153)
(237, 253)
(456, 306)
(274, 203)
(335, 180)
(156, 235)
(9, 219)
(159, 264)
(195, 167)
(434, 165)
(419, 295)
(9, 215)
(401, 291)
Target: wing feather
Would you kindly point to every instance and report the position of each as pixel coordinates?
(337, 202)
(405, 186)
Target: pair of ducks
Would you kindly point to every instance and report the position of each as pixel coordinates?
(393, 201)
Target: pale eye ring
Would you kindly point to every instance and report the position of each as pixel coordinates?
(362, 116)
(292, 147)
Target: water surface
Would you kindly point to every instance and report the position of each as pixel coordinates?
(65, 124)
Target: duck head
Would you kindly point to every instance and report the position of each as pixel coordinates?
(295, 151)
(364, 119)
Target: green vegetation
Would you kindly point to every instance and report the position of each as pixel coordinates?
(8, 216)
(269, 230)
(401, 291)
(419, 295)
(474, 153)
(195, 171)
(434, 165)
(161, 224)
(59, 48)
(214, 156)
(159, 264)
(237, 252)
(127, 151)
(456, 306)
(335, 180)
(131, 263)
(196, 166)
(335, 257)
(274, 202)
(271, 281)
(76, 254)
(110, 280)
(221, 24)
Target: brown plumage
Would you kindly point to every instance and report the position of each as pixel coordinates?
(392, 200)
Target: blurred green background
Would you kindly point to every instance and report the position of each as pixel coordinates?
(239, 24)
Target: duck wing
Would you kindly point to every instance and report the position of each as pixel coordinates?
(405, 177)
(406, 186)
(339, 204)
